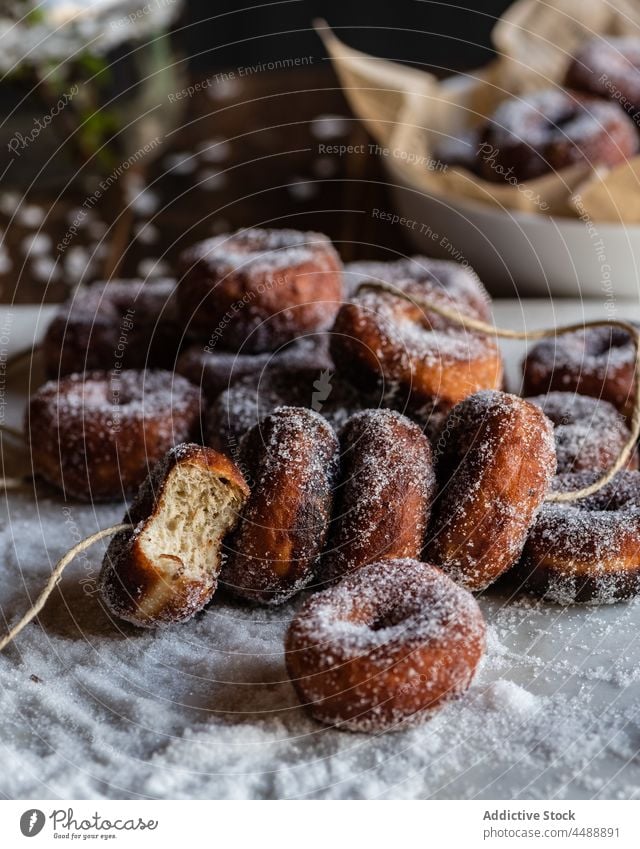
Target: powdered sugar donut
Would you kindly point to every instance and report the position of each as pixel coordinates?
(385, 647)
(95, 435)
(249, 400)
(214, 371)
(255, 290)
(589, 433)
(115, 324)
(165, 568)
(552, 129)
(385, 493)
(586, 550)
(386, 344)
(291, 460)
(609, 68)
(596, 361)
(449, 280)
(496, 465)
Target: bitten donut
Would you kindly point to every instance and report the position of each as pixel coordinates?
(415, 359)
(165, 568)
(596, 361)
(115, 324)
(385, 492)
(95, 435)
(385, 647)
(447, 280)
(496, 465)
(609, 68)
(214, 371)
(588, 550)
(552, 129)
(249, 400)
(291, 460)
(589, 434)
(255, 290)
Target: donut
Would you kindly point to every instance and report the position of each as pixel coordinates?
(497, 460)
(165, 568)
(609, 68)
(95, 435)
(553, 129)
(586, 551)
(249, 400)
(415, 360)
(589, 433)
(255, 290)
(214, 371)
(291, 459)
(114, 325)
(447, 280)
(385, 492)
(384, 648)
(596, 361)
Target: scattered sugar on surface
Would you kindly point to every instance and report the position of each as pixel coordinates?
(205, 710)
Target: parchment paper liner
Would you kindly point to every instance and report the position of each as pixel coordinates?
(407, 110)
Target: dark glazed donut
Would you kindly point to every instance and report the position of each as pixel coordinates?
(589, 434)
(95, 435)
(597, 361)
(587, 550)
(385, 493)
(552, 129)
(385, 647)
(214, 371)
(114, 325)
(609, 68)
(249, 400)
(165, 569)
(291, 460)
(255, 290)
(496, 465)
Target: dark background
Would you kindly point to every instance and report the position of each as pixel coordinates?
(443, 35)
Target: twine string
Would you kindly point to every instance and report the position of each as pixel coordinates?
(475, 324)
(58, 569)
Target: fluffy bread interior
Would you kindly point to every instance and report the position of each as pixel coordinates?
(182, 539)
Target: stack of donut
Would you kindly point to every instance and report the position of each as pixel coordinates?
(361, 450)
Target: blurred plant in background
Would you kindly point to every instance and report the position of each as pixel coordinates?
(96, 73)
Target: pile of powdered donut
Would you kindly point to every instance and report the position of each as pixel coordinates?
(287, 427)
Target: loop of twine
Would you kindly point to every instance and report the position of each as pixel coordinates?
(486, 329)
(55, 577)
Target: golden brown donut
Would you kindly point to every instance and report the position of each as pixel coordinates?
(291, 461)
(385, 647)
(255, 290)
(95, 435)
(384, 343)
(596, 361)
(165, 569)
(589, 433)
(447, 279)
(497, 460)
(588, 550)
(384, 497)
